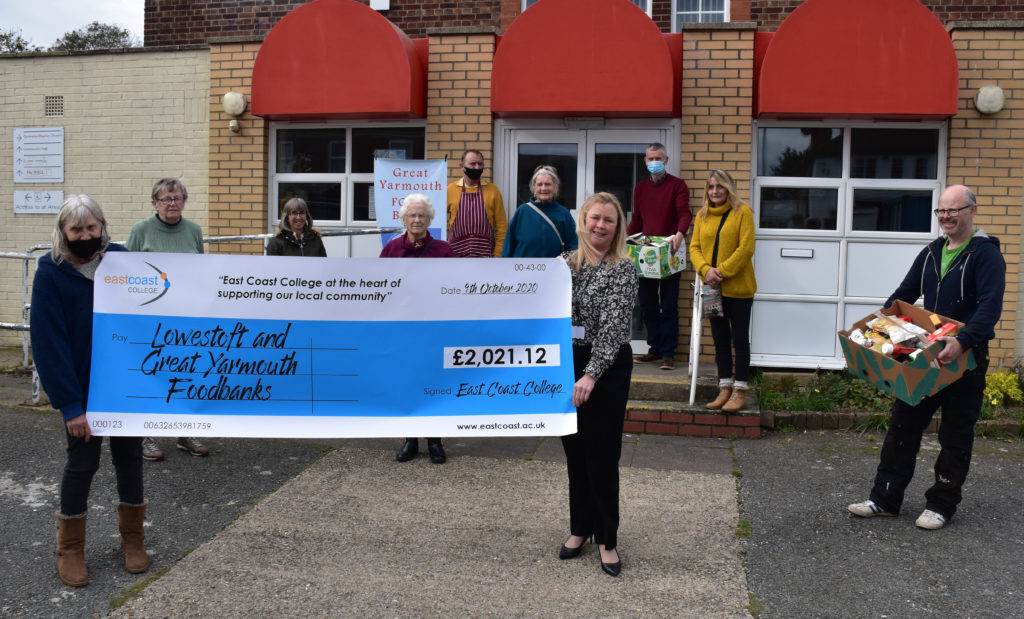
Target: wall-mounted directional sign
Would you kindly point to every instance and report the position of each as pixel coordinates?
(45, 201)
(39, 155)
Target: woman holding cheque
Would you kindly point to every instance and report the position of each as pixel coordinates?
(416, 214)
(61, 326)
(604, 288)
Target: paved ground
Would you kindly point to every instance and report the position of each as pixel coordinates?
(294, 528)
(806, 557)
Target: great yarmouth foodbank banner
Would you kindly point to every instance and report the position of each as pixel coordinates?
(394, 179)
(263, 346)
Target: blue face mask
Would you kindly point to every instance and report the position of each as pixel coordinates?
(656, 167)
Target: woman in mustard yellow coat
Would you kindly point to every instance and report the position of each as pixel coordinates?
(722, 252)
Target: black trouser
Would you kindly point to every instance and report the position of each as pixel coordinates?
(961, 406)
(592, 453)
(83, 462)
(732, 331)
(659, 303)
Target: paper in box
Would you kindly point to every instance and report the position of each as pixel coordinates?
(653, 257)
(913, 380)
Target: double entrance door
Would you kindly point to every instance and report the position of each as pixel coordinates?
(590, 155)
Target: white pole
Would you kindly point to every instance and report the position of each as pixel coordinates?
(695, 326)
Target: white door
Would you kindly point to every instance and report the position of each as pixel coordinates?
(590, 155)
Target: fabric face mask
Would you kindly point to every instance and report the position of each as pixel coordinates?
(85, 249)
(474, 174)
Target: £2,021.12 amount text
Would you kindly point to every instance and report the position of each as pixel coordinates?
(544, 355)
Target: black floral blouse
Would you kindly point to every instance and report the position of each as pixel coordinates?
(602, 303)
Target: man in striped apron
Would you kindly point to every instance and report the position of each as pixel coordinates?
(476, 212)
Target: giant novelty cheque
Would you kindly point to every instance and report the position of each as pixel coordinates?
(259, 346)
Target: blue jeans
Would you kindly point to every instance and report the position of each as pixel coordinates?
(659, 302)
(83, 462)
(961, 407)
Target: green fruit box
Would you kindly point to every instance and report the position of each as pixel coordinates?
(914, 379)
(653, 257)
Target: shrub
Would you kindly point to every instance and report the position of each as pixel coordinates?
(1002, 388)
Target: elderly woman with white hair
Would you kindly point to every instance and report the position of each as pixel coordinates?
(61, 327)
(416, 214)
(541, 228)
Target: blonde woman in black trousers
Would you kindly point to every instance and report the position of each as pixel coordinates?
(604, 289)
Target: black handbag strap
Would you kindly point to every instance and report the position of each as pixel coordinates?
(714, 253)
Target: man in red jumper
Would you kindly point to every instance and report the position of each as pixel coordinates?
(661, 207)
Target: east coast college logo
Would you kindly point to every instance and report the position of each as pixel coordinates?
(166, 286)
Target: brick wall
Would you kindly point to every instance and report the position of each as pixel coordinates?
(459, 98)
(987, 154)
(183, 22)
(238, 161)
(769, 14)
(129, 119)
(718, 63)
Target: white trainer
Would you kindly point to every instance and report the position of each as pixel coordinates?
(930, 520)
(867, 509)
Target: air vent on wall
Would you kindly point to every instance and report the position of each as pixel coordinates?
(54, 105)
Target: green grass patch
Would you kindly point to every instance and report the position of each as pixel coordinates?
(755, 607)
(743, 529)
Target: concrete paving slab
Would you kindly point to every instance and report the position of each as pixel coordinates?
(677, 453)
(358, 534)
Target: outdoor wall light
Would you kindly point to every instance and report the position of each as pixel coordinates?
(989, 100)
(234, 105)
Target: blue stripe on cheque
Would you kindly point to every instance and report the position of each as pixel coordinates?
(210, 366)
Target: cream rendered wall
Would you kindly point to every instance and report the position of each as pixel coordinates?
(130, 118)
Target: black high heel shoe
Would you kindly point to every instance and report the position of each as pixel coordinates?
(571, 553)
(612, 569)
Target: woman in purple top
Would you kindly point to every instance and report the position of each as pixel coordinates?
(416, 214)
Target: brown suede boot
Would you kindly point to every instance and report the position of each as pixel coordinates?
(130, 519)
(71, 551)
(723, 397)
(736, 402)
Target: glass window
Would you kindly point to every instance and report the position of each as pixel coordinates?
(562, 157)
(331, 167)
(699, 11)
(362, 202)
(617, 170)
(894, 153)
(323, 199)
(310, 151)
(799, 208)
(813, 152)
(393, 142)
(892, 210)
(643, 4)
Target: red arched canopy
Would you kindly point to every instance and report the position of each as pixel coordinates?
(586, 58)
(869, 58)
(338, 59)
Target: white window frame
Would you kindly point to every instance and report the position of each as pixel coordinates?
(726, 14)
(849, 306)
(845, 184)
(645, 5)
(346, 179)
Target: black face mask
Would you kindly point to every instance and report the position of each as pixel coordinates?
(87, 248)
(473, 174)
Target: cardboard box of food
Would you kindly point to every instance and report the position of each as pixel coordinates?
(653, 256)
(912, 380)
